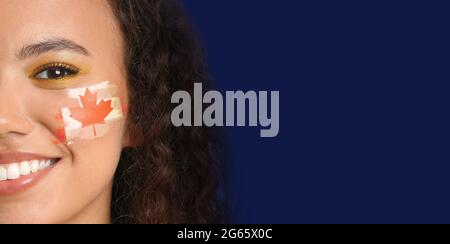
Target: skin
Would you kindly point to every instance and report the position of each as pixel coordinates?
(78, 188)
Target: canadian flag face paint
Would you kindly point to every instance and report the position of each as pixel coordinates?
(97, 108)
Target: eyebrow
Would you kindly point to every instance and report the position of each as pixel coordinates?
(39, 48)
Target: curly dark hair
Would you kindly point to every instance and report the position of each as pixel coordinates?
(171, 175)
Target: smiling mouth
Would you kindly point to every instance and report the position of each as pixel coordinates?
(16, 170)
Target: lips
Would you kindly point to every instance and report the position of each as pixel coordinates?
(18, 171)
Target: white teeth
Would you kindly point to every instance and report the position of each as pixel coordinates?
(34, 166)
(24, 168)
(13, 171)
(41, 164)
(3, 174)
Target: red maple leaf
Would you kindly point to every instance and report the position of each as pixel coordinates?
(91, 113)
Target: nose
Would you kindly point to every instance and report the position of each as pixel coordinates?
(12, 118)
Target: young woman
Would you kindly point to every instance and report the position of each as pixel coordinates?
(85, 131)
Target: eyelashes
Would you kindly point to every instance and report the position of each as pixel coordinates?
(54, 75)
(55, 71)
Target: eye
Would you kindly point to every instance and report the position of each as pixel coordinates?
(55, 71)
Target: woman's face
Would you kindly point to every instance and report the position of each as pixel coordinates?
(63, 103)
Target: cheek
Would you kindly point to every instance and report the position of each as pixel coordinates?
(45, 109)
(88, 113)
(97, 159)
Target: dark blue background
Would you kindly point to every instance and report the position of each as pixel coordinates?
(364, 108)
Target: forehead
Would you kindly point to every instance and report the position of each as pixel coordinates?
(88, 22)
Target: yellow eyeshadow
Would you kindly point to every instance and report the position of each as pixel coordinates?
(61, 62)
(59, 83)
(54, 84)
